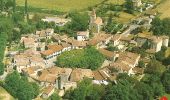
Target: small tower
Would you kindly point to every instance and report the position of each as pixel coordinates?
(93, 16)
(95, 22)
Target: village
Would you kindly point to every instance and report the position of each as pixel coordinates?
(37, 60)
(41, 49)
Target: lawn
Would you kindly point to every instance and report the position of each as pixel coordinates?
(60, 5)
(4, 95)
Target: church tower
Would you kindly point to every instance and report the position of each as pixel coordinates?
(93, 16)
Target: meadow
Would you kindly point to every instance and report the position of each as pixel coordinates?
(60, 5)
(164, 8)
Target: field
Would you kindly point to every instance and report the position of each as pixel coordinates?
(164, 8)
(4, 95)
(60, 5)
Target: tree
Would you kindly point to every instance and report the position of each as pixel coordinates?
(112, 26)
(166, 26)
(84, 58)
(166, 61)
(80, 92)
(20, 88)
(155, 67)
(54, 96)
(160, 56)
(11, 83)
(35, 89)
(141, 64)
(25, 90)
(157, 26)
(129, 6)
(166, 80)
(154, 81)
(144, 91)
(26, 9)
(79, 21)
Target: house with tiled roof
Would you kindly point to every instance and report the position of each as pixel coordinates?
(110, 55)
(28, 42)
(100, 40)
(156, 42)
(82, 35)
(78, 74)
(125, 62)
(44, 34)
(48, 91)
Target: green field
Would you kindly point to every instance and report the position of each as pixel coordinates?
(4, 95)
(60, 5)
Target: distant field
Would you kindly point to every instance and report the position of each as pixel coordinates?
(60, 5)
(4, 95)
(164, 9)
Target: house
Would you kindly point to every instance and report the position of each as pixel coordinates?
(82, 35)
(101, 77)
(44, 34)
(27, 59)
(78, 74)
(58, 21)
(96, 23)
(48, 91)
(125, 62)
(100, 40)
(59, 38)
(29, 42)
(109, 54)
(78, 44)
(116, 39)
(137, 3)
(155, 42)
(52, 51)
(31, 71)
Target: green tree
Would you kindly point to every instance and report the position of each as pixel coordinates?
(79, 21)
(84, 58)
(54, 96)
(25, 90)
(144, 91)
(35, 89)
(166, 26)
(155, 67)
(12, 83)
(157, 26)
(166, 80)
(129, 6)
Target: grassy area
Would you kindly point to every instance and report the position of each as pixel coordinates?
(164, 8)
(4, 95)
(60, 5)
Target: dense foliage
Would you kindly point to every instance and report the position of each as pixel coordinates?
(85, 91)
(129, 6)
(112, 26)
(161, 27)
(85, 58)
(19, 87)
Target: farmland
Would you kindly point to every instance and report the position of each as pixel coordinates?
(60, 5)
